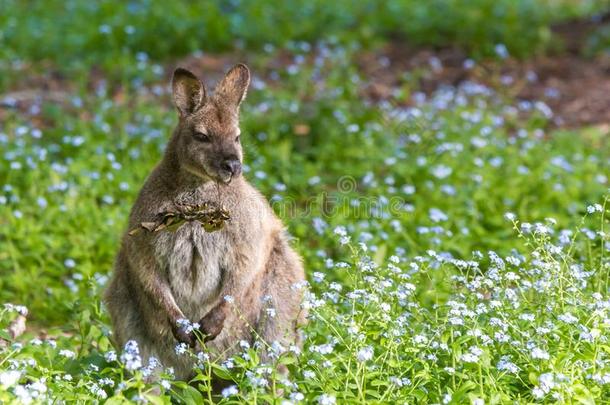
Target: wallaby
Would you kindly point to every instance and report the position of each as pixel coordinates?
(224, 280)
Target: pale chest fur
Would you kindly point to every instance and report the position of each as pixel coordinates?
(195, 262)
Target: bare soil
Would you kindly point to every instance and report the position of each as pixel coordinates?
(576, 88)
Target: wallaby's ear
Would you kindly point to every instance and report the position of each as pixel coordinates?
(232, 88)
(189, 92)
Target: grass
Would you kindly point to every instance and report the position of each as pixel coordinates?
(457, 251)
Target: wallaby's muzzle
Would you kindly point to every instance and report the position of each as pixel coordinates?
(229, 169)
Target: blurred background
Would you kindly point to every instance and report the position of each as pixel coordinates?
(76, 35)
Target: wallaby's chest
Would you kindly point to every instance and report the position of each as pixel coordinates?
(197, 262)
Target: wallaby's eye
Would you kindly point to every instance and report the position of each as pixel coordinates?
(201, 137)
(237, 139)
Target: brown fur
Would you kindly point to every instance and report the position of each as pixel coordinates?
(162, 277)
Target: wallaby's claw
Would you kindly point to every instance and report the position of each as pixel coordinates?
(212, 323)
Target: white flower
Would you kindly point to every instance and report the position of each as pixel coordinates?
(98, 391)
(187, 325)
(501, 51)
(340, 230)
(39, 386)
(131, 356)
(344, 240)
(229, 391)
(400, 382)
(67, 353)
(104, 381)
(441, 171)
(342, 233)
(538, 353)
(110, 356)
(42, 202)
(181, 348)
(229, 299)
(365, 354)
(594, 208)
(9, 378)
(567, 318)
(473, 355)
(20, 309)
(256, 381)
(23, 394)
(314, 180)
(527, 317)
(419, 339)
(335, 286)
(506, 365)
(547, 382)
(326, 399)
(538, 393)
(437, 215)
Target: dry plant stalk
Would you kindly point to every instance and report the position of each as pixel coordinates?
(211, 217)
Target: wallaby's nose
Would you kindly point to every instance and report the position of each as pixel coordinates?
(232, 165)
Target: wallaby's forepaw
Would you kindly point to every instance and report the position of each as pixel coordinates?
(183, 336)
(212, 323)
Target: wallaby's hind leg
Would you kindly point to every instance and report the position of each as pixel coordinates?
(127, 321)
(130, 322)
(281, 313)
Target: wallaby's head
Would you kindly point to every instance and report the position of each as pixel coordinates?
(207, 140)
